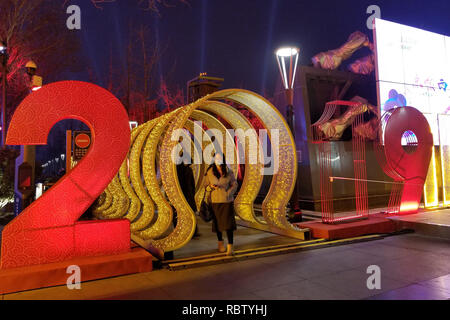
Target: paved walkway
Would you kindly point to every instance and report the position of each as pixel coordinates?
(412, 267)
(434, 223)
(245, 238)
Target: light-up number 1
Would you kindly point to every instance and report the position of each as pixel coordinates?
(47, 231)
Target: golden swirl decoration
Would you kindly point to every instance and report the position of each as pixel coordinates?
(156, 142)
(106, 203)
(148, 209)
(165, 214)
(164, 210)
(197, 150)
(217, 145)
(283, 181)
(252, 174)
(186, 221)
(120, 203)
(213, 123)
(123, 202)
(135, 202)
(200, 146)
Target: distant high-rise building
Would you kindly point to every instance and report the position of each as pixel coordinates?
(202, 86)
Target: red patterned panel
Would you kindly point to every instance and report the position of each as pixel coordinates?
(32, 246)
(93, 238)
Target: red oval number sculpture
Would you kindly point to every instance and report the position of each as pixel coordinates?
(412, 168)
(48, 231)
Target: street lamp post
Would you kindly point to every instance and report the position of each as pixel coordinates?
(4, 63)
(26, 162)
(287, 59)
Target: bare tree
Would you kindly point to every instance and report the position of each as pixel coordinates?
(138, 84)
(154, 5)
(148, 59)
(148, 5)
(171, 99)
(35, 30)
(30, 30)
(143, 86)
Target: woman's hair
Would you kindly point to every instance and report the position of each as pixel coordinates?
(223, 166)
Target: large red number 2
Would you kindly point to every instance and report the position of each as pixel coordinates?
(48, 231)
(411, 168)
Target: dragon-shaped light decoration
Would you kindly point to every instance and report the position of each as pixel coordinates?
(332, 59)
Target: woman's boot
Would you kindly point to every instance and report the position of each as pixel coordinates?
(221, 247)
(230, 250)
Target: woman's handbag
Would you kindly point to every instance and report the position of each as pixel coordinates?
(206, 212)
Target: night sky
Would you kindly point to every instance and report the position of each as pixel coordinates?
(236, 39)
(233, 39)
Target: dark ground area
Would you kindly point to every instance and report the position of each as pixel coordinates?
(412, 267)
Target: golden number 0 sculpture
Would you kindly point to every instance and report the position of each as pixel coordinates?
(149, 179)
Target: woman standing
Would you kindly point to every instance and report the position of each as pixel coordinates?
(221, 183)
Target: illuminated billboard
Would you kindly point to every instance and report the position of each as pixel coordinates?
(413, 69)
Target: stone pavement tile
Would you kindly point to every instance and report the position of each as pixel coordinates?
(301, 256)
(216, 273)
(197, 289)
(287, 257)
(320, 267)
(231, 295)
(335, 251)
(431, 259)
(89, 290)
(246, 268)
(311, 266)
(212, 293)
(353, 283)
(247, 276)
(411, 269)
(364, 243)
(442, 283)
(197, 283)
(192, 292)
(261, 279)
(387, 251)
(420, 242)
(301, 290)
(266, 240)
(146, 294)
(308, 269)
(327, 250)
(97, 289)
(53, 293)
(117, 286)
(414, 292)
(213, 288)
(353, 258)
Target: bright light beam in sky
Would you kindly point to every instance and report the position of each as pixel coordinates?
(203, 36)
(269, 49)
